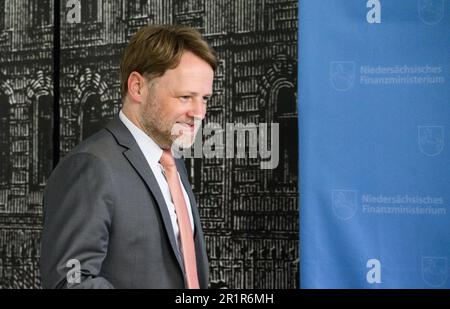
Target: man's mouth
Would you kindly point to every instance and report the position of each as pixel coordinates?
(187, 126)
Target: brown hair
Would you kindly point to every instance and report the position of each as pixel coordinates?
(155, 49)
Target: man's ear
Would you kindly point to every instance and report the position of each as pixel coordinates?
(136, 83)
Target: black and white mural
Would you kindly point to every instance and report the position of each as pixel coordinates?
(26, 135)
(250, 215)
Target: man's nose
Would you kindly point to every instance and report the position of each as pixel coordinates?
(198, 109)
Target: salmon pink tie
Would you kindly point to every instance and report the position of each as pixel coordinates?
(186, 236)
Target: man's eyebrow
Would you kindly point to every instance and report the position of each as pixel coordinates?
(193, 93)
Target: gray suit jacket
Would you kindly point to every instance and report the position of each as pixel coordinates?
(103, 207)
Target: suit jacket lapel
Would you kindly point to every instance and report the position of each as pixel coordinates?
(137, 159)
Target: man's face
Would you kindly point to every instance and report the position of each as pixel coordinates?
(175, 103)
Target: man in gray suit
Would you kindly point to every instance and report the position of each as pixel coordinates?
(111, 219)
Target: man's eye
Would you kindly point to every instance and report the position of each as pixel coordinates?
(185, 97)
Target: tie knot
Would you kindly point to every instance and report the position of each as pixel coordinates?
(167, 160)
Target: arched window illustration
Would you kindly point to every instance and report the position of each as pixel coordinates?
(2, 15)
(286, 101)
(286, 115)
(91, 10)
(40, 12)
(4, 140)
(137, 8)
(41, 139)
(92, 119)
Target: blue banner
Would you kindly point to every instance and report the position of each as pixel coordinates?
(374, 110)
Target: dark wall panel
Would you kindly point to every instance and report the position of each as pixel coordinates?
(26, 128)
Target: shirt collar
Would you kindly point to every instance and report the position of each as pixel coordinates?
(149, 147)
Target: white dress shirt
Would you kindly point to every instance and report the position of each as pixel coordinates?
(153, 153)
